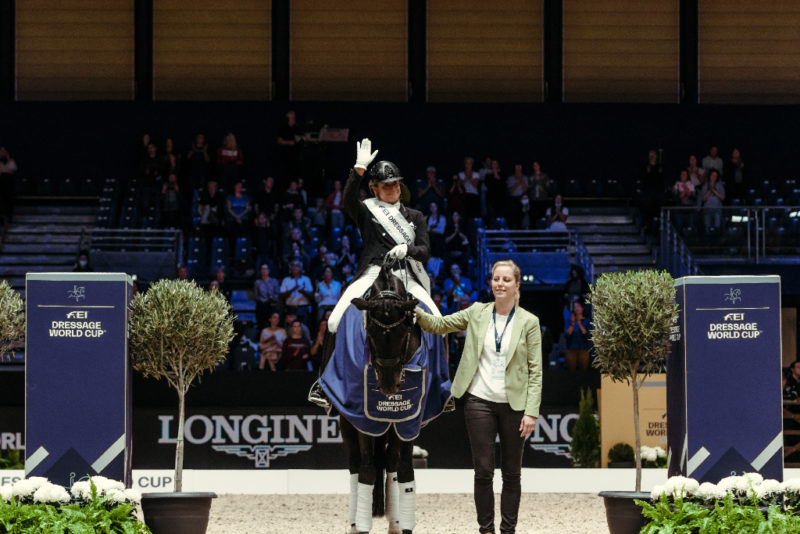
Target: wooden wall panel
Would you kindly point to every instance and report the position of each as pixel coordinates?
(76, 50)
(480, 51)
(749, 52)
(355, 50)
(212, 49)
(621, 51)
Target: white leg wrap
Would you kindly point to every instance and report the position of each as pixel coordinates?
(408, 497)
(392, 503)
(364, 510)
(351, 520)
(356, 289)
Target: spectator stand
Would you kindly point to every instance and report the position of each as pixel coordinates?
(150, 254)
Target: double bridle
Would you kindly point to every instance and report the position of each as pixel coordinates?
(392, 362)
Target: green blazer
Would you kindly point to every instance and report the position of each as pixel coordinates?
(523, 362)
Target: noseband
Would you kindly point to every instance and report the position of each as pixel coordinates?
(391, 362)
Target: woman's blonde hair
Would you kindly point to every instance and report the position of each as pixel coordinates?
(515, 269)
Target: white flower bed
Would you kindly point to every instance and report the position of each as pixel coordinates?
(745, 488)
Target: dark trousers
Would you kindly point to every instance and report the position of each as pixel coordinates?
(485, 420)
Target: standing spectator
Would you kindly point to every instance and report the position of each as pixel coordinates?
(540, 182)
(335, 205)
(517, 185)
(302, 191)
(430, 189)
(319, 342)
(288, 149)
(472, 190)
(457, 243)
(684, 194)
(267, 200)
(270, 344)
(265, 293)
(170, 159)
(455, 196)
(151, 180)
(347, 256)
(141, 148)
(296, 354)
(437, 224)
(198, 160)
(296, 292)
(171, 204)
(576, 288)
(653, 186)
(556, 215)
(229, 161)
(578, 339)
(292, 200)
(456, 287)
(265, 239)
(495, 192)
(712, 195)
(239, 211)
(211, 207)
(328, 292)
(713, 161)
(222, 285)
(735, 175)
(7, 169)
(696, 174)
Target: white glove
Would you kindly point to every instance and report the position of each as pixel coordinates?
(364, 154)
(398, 252)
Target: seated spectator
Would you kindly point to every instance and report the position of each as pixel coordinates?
(470, 179)
(319, 217)
(267, 200)
(430, 189)
(182, 273)
(684, 195)
(299, 222)
(82, 265)
(516, 185)
(335, 205)
(496, 191)
(270, 344)
(211, 207)
(437, 224)
(540, 183)
(239, 211)
(791, 382)
(455, 287)
(485, 294)
(328, 292)
(696, 174)
(171, 204)
(525, 217)
(711, 197)
(198, 161)
(7, 169)
(229, 161)
(438, 299)
(713, 161)
(347, 274)
(265, 240)
(456, 340)
(222, 285)
(578, 339)
(318, 263)
(242, 354)
(735, 175)
(456, 203)
(296, 354)
(265, 293)
(457, 243)
(296, 292)
(557, 215)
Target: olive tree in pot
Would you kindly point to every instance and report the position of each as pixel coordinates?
(177, 332)
(12, 320)
(632, 313)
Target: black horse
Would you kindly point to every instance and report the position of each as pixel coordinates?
(392, 338)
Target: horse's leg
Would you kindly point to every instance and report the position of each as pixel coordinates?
(378, 508)
(366, 481)
(406, 486)
(392, 492)
(350, 438)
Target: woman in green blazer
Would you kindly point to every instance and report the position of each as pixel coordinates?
(500, 378)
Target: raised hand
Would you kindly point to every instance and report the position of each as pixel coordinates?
(364, 154)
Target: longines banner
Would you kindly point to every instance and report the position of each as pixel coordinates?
(299, 438)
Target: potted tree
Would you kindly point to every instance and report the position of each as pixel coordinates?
(632, 313)
(12, 320)
(177, 332)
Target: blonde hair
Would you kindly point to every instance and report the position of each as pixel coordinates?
(515, 269)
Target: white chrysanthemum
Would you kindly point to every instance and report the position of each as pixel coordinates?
(754, 478)
(768, 488)
(104, 485)
(656, 492)
(649, 454)
(680, 486)
(51, 493)
(791, 485)
(730, 484)
(28, 486)
(6, 493)
(710, 492)
(661, 453)
(133, 496)
(116, 496)
(82, 490)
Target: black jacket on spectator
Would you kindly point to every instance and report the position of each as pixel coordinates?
(377, 241)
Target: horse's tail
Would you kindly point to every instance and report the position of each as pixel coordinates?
(378, 491)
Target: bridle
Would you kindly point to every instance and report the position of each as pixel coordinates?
(392, 362)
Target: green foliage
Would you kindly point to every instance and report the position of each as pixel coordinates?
(11, 460)
(620, 452)
(585, 447)
(632, 312)
(12, 319)
(178, 331)
(726, 517)
(96, 517)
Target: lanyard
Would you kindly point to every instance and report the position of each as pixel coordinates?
(498, 339)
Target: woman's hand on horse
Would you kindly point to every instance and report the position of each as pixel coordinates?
(398, 252)
(527, 425)
(364, 154)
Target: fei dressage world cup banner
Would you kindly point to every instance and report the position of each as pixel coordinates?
(724, 403)
(77, 376)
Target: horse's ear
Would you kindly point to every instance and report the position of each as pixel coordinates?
(361, 304)
(409, 304)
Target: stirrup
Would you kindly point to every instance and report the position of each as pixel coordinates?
(317, 396)
(449, 406)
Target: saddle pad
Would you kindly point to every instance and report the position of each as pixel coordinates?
(404, 405)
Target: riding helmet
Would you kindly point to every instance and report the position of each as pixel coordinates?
(384, 171)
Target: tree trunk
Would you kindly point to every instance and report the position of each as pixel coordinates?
(179, 441)
(637, 449)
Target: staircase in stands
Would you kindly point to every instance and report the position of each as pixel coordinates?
(613, 238)
(43, 237)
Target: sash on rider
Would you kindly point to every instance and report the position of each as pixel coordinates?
(401, 231)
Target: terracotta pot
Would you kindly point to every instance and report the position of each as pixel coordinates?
(177, 513)
(622, 514)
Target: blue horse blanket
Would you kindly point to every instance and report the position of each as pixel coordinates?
(349, 382)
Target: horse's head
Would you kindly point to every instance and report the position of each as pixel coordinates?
(390, 329)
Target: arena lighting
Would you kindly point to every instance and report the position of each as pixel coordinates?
(739, 218)
(794, 214)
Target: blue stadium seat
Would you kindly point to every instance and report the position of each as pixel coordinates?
(242, 248)
(594, 188)
(573, 188)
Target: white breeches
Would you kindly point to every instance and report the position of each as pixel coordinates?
(358, 287)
